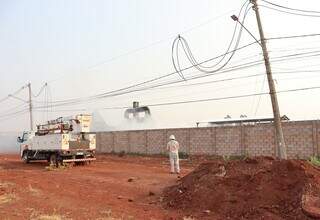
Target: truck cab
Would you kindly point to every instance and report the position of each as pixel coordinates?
(25, 142)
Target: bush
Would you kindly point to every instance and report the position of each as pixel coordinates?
(183, 155)
(315, 160)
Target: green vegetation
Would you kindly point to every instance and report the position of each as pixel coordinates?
(228, 158)
(315, 160)
(183, 155)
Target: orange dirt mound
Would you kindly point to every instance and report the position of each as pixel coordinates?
(259, 188)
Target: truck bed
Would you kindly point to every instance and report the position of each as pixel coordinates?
(62, 142)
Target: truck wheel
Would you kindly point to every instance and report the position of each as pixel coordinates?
(25, 157)
(53, 160)
(59, 161)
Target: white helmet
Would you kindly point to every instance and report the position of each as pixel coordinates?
(172, 137)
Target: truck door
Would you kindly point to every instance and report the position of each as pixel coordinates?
(23, 144)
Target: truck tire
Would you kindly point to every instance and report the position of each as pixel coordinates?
(25, 157)
(53, 160)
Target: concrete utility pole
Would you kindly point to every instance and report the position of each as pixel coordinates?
(281, 146)
(30, 107)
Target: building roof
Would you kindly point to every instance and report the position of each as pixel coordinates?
(242, 120)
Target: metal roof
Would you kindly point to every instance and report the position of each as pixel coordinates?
(243, 120)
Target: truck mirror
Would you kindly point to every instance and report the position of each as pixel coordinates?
(19, 140)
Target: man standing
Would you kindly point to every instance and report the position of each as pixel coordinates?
(173, 148)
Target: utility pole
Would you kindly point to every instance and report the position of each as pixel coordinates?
(281, 146)
(30, 107)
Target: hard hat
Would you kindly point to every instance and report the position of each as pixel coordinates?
(172, 137)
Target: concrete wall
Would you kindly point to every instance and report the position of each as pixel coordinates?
(302, 139)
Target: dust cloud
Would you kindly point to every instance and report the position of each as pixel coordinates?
(8, 142)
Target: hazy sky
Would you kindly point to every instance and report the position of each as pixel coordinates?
(71, 45)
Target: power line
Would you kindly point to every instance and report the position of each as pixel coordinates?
(63, 110)
(151, 44)
(188, 53)
(148, 81)
(167, 75)
(234, 68)
(215, 99)
(17, 98)
(293, 9)
(236, 85)
(41, 90)
(170, 74)
(13, 94)
(234, 78)
(293, 36)
(14, 113)
(287, 12)
(24, 105)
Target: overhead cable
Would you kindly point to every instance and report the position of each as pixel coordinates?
(216, 99)
(234, 68)
(288, 12)
(41, 90)
(292, 9)
(189, 55)
(13, 94)
(171, 74)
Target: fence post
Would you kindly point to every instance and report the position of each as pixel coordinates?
(129, 142)
(188, 141)
(113, 142)
(146, 141)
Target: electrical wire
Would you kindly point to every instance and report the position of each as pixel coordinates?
(147, 81)
(17, 98)
(293, 36)
(151, 44)
(13, 94)
(24, 105)
(293, 9)
(216, 99)
(238, 67)
(191, 58)
(41, 90)
(287, 12)
(74, 100)
(13, 113)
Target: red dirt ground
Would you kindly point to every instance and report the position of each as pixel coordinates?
(28, 191)
(260, 188)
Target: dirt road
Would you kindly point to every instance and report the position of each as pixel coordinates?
(112, 187)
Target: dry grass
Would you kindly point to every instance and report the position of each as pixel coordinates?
(114, 218)
(107, 215)
(34, 191)
(49, 217)
(188, 218)
(109, 218)
(7, 198)
(60, 167)
(54, 216)
(6, 184)
(36, 215)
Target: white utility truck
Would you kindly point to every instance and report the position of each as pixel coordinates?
(61, 140)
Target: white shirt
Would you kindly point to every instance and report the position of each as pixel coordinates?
(173, 146)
